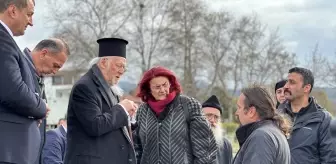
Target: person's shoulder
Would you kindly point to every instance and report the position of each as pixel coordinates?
(284, 107)
(262, 131)
(84, 83)
(52, 132)
(227, 143)
(143, 105)
(189, 100)
(266, 132)
(322, 112)
(7, 44)
(262, 137)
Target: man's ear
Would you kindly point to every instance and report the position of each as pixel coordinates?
(104, 63)
(307, 88)
(43, 53)
(12, 11)
(252, 112)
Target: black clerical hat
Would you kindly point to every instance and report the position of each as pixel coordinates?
(213, 102)
(112, 47)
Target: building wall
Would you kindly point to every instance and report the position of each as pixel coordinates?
(58, 98)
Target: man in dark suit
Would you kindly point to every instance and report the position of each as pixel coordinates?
(48, 57)
(20, 104)
(98, 124)
(54, 148)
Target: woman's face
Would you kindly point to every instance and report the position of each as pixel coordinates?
(160, 87)
(280, 95)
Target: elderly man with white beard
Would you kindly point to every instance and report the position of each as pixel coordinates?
(98, 120)
(213, 111)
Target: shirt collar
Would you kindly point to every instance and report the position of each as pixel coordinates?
(64, 128)
(7, 28)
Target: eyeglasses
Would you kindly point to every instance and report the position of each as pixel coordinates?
(210, 116)
(121, 67)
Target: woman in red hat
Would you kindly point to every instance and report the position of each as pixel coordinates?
(171, 128)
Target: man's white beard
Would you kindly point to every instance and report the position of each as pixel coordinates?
(117, 90)
(219, 134)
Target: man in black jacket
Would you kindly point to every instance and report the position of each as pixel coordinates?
(262, 133)
(310, 140)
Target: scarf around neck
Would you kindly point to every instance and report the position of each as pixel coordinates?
(158, 106)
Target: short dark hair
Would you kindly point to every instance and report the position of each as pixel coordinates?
(307, 75)
(53, 45)
(4, 4)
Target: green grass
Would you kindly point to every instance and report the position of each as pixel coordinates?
(235, 145)
(230, 128)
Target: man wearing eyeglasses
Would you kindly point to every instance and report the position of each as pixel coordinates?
(213, 112)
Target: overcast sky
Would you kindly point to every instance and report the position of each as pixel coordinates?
(302, 23)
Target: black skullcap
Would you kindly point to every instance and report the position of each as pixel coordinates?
(213, 102)
(112, 47)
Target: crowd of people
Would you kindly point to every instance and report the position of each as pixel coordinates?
(168, 127)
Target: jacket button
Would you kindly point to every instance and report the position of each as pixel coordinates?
(122, 147)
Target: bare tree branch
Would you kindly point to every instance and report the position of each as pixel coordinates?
(82, 22)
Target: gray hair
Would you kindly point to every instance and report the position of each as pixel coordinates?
(4, 4)
(53, 45)
(94, 61)
(97, 59)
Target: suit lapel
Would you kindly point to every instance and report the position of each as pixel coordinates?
(104, 94)
(62, 130)
(111, 96)
(33, 72)
(127, 134)
(102, 90)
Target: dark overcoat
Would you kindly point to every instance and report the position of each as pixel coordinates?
(20, 105)
(97, 132)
